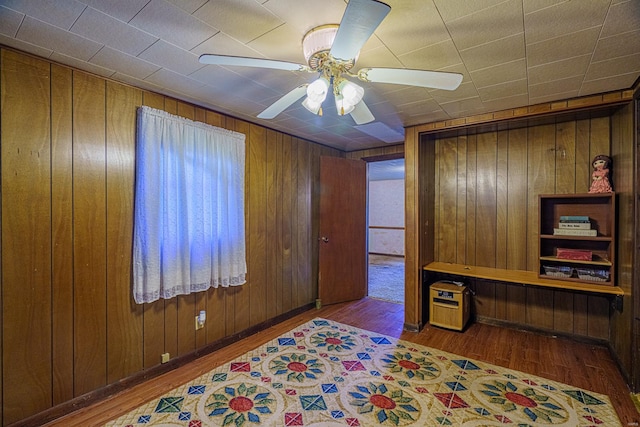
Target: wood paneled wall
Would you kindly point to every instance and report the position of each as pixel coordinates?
(487, 187)
(69, 323)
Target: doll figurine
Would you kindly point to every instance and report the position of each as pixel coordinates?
(600, 176)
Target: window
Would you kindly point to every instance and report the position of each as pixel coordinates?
(189, 232)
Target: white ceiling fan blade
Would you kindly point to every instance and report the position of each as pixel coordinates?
(361, 114)
(283, 103)
(401, 76)
(242, 61)
(360, 20)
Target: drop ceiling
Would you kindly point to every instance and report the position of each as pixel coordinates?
(511, 53)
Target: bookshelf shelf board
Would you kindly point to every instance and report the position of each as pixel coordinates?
(601, 262)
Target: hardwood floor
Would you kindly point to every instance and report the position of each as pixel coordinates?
(579, 364)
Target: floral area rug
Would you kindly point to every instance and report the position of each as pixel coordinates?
(325, 373)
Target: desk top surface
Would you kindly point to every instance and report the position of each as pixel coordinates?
(519, 276)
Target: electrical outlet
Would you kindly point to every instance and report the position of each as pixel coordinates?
(199, 324)
(164, 357)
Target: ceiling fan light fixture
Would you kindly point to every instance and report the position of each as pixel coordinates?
(317, 91)
(318, 40)
(312, 106)
(347, 95)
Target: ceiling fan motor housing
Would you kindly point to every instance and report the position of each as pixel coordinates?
(316, 45)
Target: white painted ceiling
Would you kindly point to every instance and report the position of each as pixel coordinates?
(511, 53)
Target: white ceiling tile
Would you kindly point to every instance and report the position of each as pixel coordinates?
(488, 25)
(608, 84)
(501, 51)
(570, 84)
(468, 106)
(189, 6)
(511, 101)
(570, 67)
(61, 13)
(169, 22)
(451, 10)
(307, 14)
(56, 39)
(179, 83)
(561, 48)
(284, 43)
(25, 47)
(553, 96)
(244, 20)
(127, 64)
(622, 44)
(506, 71)
(433, 57)
(410, 26)
(83, 65)
(621, 65)
(575, 16)
(102, 28)
(119, 9)
(169, 56)
(503, 90)
(622, 17)
(222, 44)
(378, 57)
(9, 21)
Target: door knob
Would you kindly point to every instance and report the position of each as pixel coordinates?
(325, 239)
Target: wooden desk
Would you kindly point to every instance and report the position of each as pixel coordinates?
(524, 278)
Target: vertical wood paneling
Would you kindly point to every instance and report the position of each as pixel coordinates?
(502, 200)
(153, 313)
(496, 178)
(303, 231)
(272, 211)
(258, 196)
(124, 317)
(471, 207)
(486, 196)
(89, 249)
(242, 294)
(67, 212)
(517, 210)
(286, 221)
(446, 205)
(293, 223)
(62, 229)
(461, 201)
(26, 236)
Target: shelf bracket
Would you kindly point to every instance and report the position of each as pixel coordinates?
(616, 303)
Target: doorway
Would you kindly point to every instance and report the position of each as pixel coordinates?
(385, 219)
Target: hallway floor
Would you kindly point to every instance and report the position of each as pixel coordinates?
(386, 278)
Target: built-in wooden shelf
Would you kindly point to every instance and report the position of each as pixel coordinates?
(520, 277)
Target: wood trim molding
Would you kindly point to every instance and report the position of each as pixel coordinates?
(532, 111)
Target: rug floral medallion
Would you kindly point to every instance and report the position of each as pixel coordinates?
(324, 373)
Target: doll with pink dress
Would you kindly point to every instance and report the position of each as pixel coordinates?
(600, 177)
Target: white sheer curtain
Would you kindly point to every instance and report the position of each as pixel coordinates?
(189, 207)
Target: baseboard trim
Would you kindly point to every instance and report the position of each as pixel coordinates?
(95, 396)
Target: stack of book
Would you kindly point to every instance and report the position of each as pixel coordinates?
(574, 225)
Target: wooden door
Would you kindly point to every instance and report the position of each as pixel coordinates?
(343, 239)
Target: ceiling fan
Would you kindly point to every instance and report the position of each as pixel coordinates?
(331, 50)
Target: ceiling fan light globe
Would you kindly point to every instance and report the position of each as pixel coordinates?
(312, 106)
(317, 91)
(343, 106)
(351, 92)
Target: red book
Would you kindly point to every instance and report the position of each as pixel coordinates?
(574, 254)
